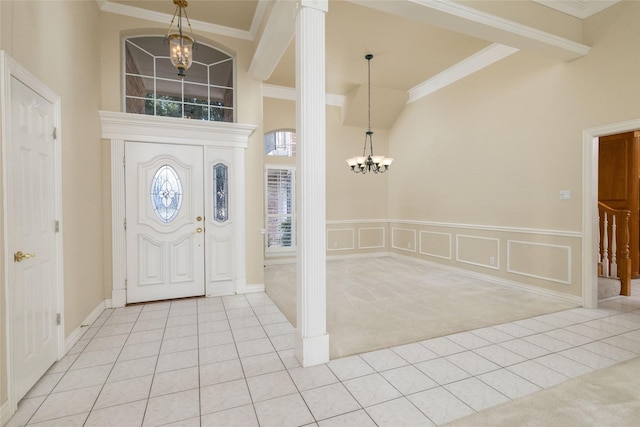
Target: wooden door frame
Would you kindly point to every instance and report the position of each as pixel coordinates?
(9, 69)
(590, 144)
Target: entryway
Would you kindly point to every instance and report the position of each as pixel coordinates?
(178, 212)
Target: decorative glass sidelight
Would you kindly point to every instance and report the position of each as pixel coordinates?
(166, 193)
(220, 193)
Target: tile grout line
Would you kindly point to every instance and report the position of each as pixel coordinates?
(611, 314)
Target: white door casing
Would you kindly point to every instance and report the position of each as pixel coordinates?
(165, 233)
(232, 138)
(590, 145)
(33, 239)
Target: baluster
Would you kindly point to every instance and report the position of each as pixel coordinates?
(625, 273)
(599, 240)
(605, 247)
(614, 249)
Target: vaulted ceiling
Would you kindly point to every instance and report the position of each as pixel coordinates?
(418, 45)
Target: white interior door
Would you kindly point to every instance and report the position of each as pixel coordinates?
(164, 221)
(31, 236)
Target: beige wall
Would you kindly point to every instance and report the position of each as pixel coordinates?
(57, 42)
(495, 149)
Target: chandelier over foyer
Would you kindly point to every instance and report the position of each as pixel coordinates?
(369, 162)
(180, 45)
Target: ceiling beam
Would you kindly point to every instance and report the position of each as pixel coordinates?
(462, 69)
(277, 34)
(472, 22)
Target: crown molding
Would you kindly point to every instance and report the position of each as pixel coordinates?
(578, 8)
(464, 68)
(165, 18)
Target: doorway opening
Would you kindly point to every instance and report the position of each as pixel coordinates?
(590, 229)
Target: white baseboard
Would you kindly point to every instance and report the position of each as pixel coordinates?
(276, 261)
(358, 256)
(73, 338)
(256, 287)
(607, 299)
(5, 413)
(497, 280)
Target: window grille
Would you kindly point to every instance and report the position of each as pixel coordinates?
(152, 85)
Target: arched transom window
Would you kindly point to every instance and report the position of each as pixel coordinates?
(152, 85)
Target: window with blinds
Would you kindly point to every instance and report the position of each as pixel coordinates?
(280, 209)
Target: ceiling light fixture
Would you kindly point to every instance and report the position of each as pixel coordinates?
(180, 45)
(369, 163)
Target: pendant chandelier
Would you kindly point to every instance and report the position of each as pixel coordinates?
(180, 45)
(369, 162)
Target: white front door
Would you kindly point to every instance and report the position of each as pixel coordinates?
(31, 236)
(164, 221)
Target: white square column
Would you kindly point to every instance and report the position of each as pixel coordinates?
(312, 340)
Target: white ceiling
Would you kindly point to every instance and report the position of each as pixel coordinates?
(418, 45)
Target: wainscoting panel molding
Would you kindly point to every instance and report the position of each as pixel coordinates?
(436, 244)
(371, 238)
(340, 239)
(481, 251)
(553, 262)
(403, 239)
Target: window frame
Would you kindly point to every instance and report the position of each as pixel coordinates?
(292, 149)
(209, 85)
(280, 250)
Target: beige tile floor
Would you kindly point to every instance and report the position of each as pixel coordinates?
(229, 362)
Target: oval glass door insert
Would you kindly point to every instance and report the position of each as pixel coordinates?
(166, 193)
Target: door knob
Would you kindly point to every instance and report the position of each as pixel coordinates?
(19, 256)
(199, 230)
(199, 218)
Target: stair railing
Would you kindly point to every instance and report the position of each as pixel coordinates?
(613, 245)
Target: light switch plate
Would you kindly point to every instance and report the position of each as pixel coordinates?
(565, 194)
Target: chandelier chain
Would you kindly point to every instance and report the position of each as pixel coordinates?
(369, 162)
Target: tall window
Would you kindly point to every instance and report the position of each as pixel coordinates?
(280, 143)
(280, 209)
(152, 85)
(280, 191)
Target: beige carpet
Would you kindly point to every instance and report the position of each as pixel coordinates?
(607, 397)
(376, 303)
